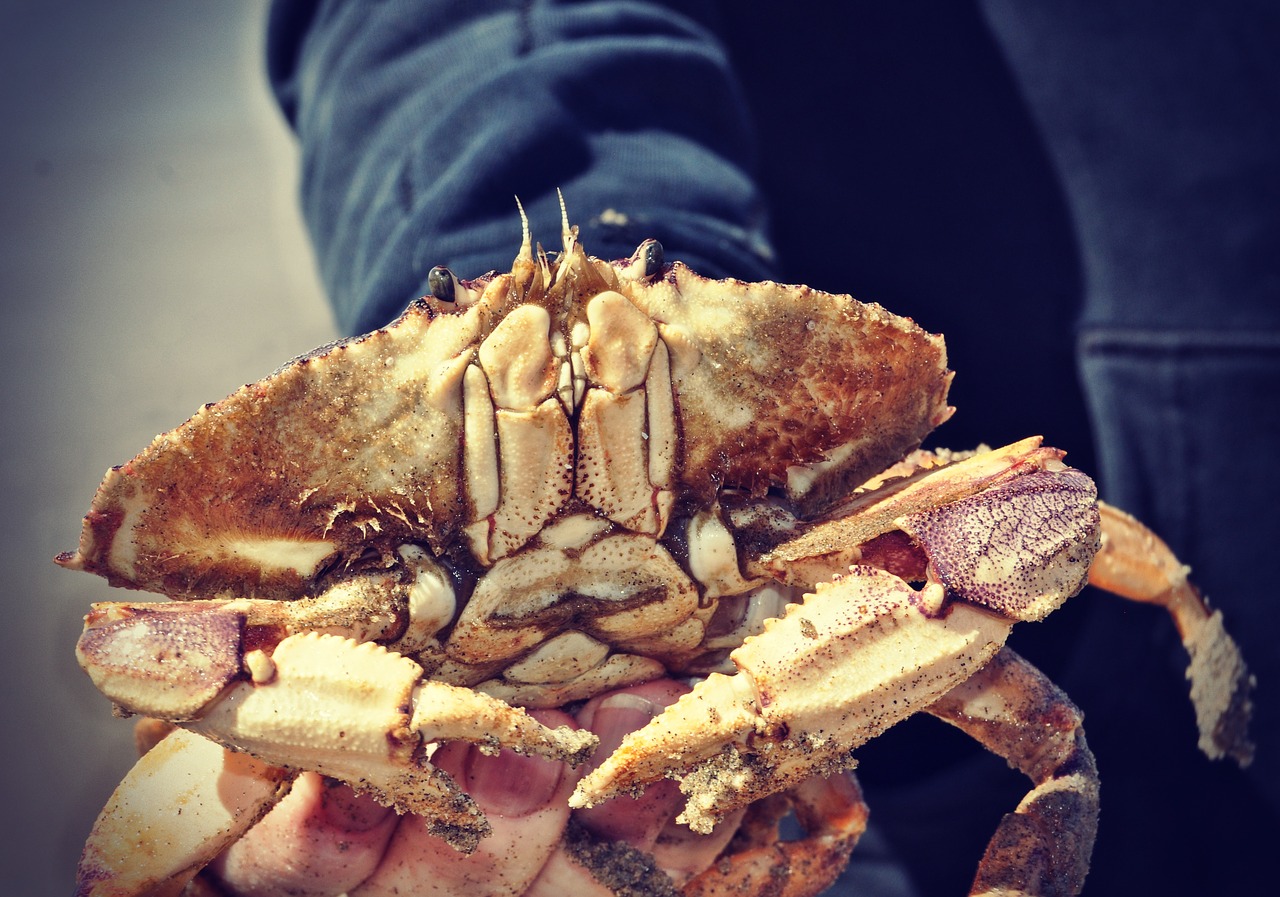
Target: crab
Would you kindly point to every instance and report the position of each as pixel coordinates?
(540, 485)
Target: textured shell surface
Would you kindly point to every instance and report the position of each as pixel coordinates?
(552, 429)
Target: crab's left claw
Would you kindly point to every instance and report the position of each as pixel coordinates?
(865, 650)
(180, 805)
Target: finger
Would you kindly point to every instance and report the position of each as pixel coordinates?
(321, 840)
(646, 822)
(586, 865)
(526, 802)
(564, 874)
(636, 821)
(599, 869)
(607, 854)
(683, 853)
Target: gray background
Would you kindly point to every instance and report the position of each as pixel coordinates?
(151, 259)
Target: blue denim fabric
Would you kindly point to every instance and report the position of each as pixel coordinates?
(1084, 197)
(420, 124)
(1164, 123)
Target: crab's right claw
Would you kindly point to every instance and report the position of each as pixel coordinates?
(1136, 564)
(353, 711)
(178, 808)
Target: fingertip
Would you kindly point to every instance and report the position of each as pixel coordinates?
(654, 695)
(321, 839)
(636, 821)
(346, 811)
(508, 784)
(525, 800)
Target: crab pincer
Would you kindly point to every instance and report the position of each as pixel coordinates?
(351, 710)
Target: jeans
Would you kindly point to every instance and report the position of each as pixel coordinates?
(1086, 199)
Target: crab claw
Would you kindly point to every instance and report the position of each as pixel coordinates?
(353, 711)
(866, 650)
(798, 707)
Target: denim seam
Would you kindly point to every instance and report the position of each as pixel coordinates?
(1132, 340)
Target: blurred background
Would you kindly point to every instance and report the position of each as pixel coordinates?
(151, 259)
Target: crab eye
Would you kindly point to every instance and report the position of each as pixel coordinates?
(652, 258)
(440, 282)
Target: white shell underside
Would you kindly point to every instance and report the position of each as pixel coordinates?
(587, 419)
(524, 395)
(531, 436)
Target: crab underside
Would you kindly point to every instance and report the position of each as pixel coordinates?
(541, 485)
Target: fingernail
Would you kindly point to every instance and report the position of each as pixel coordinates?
(351, 812)
(616, 717)
(510, 784)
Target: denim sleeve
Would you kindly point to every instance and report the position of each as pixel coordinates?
(421, 122)
(1164, 126)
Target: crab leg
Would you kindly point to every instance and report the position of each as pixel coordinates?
(180, 805)
(1136, 564)
(755, 860)
(353, 711)
(1013, 710)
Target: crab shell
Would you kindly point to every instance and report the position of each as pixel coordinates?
(611, 395)
(540, 485)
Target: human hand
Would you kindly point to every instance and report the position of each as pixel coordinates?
(323, 839)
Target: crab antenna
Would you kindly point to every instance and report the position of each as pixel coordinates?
(566, 232)
(526, 242)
